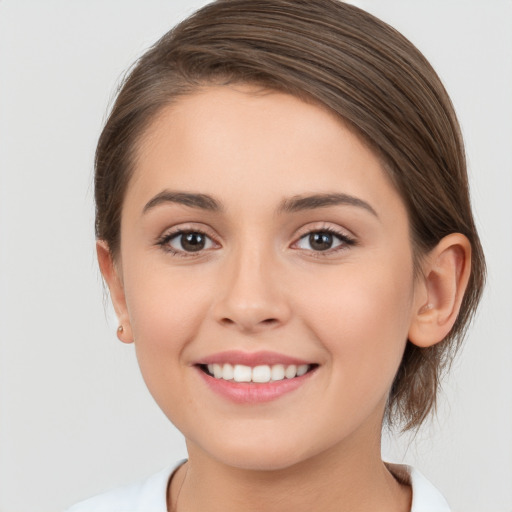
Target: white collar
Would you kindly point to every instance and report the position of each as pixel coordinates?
(151, 495)
(425, 497)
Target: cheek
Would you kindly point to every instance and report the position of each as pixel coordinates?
(362, 318)
(166, 311)
(166, 308)
(164, 300)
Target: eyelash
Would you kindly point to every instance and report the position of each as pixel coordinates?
(345, 240)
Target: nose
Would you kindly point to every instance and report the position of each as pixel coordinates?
(252, 295)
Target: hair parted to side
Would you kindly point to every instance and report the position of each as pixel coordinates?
(343, 58)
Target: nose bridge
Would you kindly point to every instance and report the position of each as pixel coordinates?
(252, 295)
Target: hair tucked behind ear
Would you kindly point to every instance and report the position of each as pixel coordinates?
(340, 57)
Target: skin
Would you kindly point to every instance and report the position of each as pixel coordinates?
(260, 285)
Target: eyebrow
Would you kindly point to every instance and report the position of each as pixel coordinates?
(201, 201)
(290, 205)
(301, 203)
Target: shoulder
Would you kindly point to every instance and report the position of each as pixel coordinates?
(425, 497)
(149, 495)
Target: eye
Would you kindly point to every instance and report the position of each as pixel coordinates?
(323, 240)
(186, 242)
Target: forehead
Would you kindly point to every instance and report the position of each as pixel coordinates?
(242, 141)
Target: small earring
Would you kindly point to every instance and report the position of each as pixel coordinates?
(120, 329)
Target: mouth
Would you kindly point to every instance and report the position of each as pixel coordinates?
(251, 378)
(260, 374)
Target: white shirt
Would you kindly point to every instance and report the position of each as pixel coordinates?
(151, 495)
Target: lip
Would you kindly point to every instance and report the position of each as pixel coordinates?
(251, 359)
(252, 392)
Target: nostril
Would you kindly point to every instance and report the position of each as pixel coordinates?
(250, 325)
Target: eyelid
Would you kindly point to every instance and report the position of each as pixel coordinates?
(315, 227)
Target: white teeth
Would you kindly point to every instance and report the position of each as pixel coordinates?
(261, 374)
(290, 372)
(217, 371)
(227, 372)
(242, 373)
(302, 369)
(278, 372)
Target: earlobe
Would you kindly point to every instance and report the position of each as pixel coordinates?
(440, 290)
(111, 275)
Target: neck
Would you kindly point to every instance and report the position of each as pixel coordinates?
(339, 481)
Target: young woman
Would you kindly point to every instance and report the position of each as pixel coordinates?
(283, 221)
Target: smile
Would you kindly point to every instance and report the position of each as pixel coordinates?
(254, 377)
(260, 374)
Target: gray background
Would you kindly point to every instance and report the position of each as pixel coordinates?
(75, 417)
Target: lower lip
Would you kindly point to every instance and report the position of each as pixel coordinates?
(252, 393)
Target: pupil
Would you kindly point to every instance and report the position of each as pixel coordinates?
(193, 242)
(320, 241)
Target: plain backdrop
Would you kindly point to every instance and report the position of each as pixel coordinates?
(75, 417)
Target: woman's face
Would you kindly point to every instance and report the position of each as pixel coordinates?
(258, 234)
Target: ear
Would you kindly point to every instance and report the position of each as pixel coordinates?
(112, 275)
(440, 290)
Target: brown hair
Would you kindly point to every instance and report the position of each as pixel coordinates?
(357, 66)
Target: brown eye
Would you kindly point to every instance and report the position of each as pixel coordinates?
(321, 241)
(189, 241)
(193, 241)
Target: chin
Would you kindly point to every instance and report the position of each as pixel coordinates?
(256, 454)
(258, 461)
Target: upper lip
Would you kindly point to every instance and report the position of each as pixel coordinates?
(251, 358)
